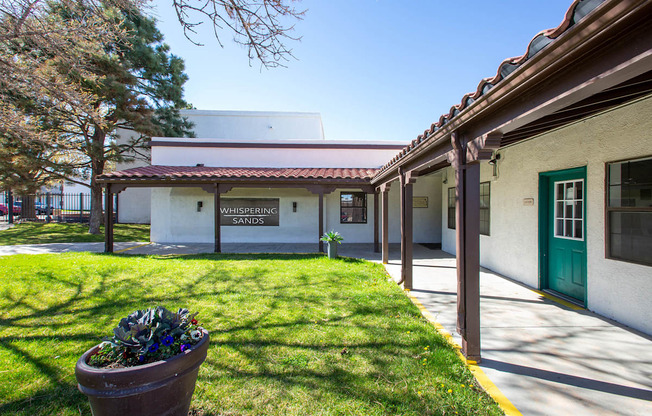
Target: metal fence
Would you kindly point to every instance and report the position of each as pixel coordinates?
(47, 207)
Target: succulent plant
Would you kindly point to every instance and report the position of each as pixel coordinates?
(148, 335)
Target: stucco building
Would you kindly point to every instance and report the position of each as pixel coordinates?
(543, 174)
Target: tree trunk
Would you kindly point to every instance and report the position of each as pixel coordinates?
(97, 168)
(27, 208)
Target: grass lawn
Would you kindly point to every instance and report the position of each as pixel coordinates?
(39, 233)
(290, 334)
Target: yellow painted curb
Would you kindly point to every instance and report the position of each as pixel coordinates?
(131, 248)
(480, 376)
(558, 300)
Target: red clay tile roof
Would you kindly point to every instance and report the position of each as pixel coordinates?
(576, 12)
(156, 172)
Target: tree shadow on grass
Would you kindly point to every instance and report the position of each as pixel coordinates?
(308, 328)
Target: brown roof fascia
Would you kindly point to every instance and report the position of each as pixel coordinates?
(247, 182)
(568, 47)
(242, 145)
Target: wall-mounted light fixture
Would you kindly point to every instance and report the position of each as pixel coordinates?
(445, 178)
(294, 207)
(494, 162)
(200, 204)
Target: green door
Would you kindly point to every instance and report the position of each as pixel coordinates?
(566, 233)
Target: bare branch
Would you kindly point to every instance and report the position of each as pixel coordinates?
(263, 26)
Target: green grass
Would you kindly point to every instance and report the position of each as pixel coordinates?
(290, 334)
(39, 233)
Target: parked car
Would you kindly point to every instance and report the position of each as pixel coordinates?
(5, 211)
(42, 208)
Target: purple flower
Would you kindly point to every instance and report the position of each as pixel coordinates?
(141, 358)
(154, 347)
(184, 347)
(168, 340)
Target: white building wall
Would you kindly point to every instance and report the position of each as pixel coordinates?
(255, 125)
(615, 289)
(176, 220)
(298, 157)
(134, 204)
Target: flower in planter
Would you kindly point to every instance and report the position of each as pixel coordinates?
(139, 337)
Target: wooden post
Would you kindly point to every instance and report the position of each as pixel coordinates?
(407, 180)
(218, 225)
(321, 221)
(376, 242)
(467, 221)
(108, 220)
(384, 189)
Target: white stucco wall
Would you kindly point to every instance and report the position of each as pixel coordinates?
(267, 157)
(176, 220)
(255, 125)
(134, 204)
(615, 289)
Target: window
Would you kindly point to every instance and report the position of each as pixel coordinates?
(569, 210)
(451, 208)
(485, 190)
(353, 208)
(629, 211)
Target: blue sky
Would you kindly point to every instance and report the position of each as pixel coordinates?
(374, 69)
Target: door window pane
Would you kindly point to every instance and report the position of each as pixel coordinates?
(569, 206)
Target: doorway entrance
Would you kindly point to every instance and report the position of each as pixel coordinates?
(562, 232)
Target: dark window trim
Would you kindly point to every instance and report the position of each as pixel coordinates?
(364, 206)
(488, 233)
(448, 208)
(608, 210)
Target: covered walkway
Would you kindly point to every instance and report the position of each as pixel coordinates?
(545, 357)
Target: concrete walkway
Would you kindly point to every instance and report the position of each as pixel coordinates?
(546, 358)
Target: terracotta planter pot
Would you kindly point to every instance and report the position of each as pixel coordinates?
(163, 388)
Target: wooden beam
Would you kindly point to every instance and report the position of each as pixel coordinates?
(218, 226)
(108, 220)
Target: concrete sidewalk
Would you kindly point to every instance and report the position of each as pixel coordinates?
(546, 358)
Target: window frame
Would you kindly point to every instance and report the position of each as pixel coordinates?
(573, 218)
(451, 219)
(608, 210)
(363, 206)
(488, 209)
(448, 207)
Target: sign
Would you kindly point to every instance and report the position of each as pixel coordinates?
(249, 212)
(420, 202)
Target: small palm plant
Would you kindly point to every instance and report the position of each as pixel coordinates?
(332, 238)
